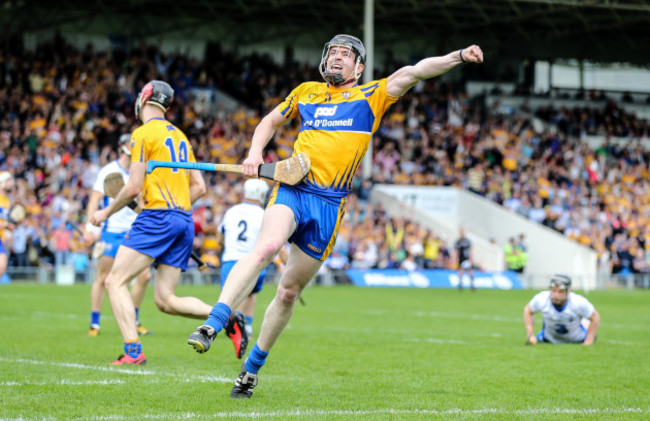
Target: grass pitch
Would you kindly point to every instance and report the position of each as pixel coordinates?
(350, 353)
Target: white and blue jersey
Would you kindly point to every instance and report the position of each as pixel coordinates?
(562, 325)
(240, 227)
(120, 221)
(117, 225)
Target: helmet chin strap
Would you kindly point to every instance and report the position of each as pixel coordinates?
(335, 79)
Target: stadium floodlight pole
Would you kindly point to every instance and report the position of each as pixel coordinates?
(368, 72)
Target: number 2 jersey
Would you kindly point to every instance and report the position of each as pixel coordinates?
(240, 227)
(164, 188)
(336, 127)
(564, 325)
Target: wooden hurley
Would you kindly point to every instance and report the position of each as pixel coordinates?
(113, 183)
(17, 214)
(289, 171)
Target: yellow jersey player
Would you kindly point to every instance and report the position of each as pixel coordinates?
(338, 118)
(6, 183)
(112, 234)
(164, 231)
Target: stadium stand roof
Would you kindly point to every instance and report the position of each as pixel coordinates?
(598, 30)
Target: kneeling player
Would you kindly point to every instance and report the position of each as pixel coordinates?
(568, 317)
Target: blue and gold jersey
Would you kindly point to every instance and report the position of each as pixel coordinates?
(336, 127)
(165, 188)
(5, 205)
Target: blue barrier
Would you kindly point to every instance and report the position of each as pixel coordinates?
(431, 278)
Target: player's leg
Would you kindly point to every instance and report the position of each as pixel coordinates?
(138, 289)
(236, 328)
(104, 264)
(128, 264)
(461, 273)
(300, 269)
(164, 292)
(240, 325)
(248, 310)
(470, 272)
(277, 226)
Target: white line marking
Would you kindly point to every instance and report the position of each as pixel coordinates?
(343, 412)
(65, 382)
(130, 370)
(626, 343)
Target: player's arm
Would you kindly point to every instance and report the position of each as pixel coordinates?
(90, 233)
(197, 186)
(529, 322)
(263, 134)
(593, 328)
(406, 77)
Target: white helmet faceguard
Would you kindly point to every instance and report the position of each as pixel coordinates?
(255, 189)
(6, 180)
(560, 281)
(125, 143)
(335, 75)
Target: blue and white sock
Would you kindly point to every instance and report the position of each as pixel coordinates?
(94, 319)
(249, 325)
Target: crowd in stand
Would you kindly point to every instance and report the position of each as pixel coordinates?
(62, 111)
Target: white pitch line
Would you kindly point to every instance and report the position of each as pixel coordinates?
(298, 413)
(131, 370)
(65, 382)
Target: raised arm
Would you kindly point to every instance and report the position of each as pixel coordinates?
(263, 134)
(406, 77)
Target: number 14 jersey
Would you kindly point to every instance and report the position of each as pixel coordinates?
(164, 188)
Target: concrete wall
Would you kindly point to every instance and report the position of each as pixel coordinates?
(445, 209)
(437, 212)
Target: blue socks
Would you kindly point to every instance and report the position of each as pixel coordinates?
(133, 348)
(249, 320)
(137, 316)
(219, 316)
(94, 318)
(256, 359)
